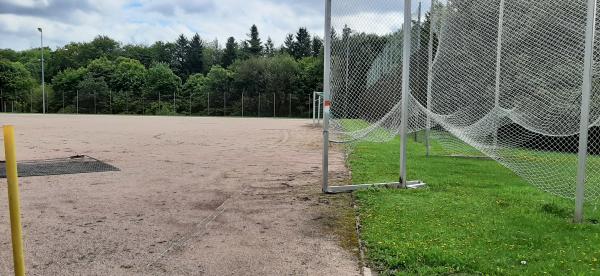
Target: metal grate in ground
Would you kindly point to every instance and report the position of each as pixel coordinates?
(70, 165)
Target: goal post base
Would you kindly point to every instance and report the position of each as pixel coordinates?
(415, 184)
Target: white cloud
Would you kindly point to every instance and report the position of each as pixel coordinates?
(146, 21)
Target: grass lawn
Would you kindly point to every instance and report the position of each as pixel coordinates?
(475, 217)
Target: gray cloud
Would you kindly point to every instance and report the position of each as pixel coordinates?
(60, 10)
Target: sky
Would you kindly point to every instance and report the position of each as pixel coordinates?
(147, 21)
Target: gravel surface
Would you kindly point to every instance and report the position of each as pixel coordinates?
(195, 196)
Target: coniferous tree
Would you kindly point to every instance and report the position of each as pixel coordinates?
(302, 46)
(288, 44)
(230, 53)
(317, 45)
(179, 62)
(194, 60)
(269, 47)
(254, 44)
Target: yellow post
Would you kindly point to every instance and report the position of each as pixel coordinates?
(13, 199)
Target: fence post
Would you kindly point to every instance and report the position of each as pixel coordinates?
(429, 76)
(326, 95)
(585, 110)
(498, 60)
(405, 90)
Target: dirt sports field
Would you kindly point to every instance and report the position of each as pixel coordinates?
(195, 196)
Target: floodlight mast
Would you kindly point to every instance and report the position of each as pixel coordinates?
(43, 81)
(585, 110)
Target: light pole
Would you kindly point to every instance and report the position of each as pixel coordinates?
(43, 82)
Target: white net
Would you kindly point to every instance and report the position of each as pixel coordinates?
(499, 78)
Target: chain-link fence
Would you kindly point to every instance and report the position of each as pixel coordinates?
(501, 78)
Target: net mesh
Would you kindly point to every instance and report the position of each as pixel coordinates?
(492, 78)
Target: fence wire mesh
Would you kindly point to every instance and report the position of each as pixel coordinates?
(502, 78)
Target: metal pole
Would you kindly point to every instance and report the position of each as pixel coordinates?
(418, 44)
(326, 95)
(319, 101)
(314, 111)
(63, 100)
(77, 98)
(273, 105)
(429, 77)
(290, 112)
(43, 81)
(31, 100)
(498, 60)
(405, 90)
(174, 105)
(585, 110)
(110, 101)
(159, 101)
(224, 102)
(208, 106)
(242, 104)
(126, 102)
(258, 115)
(95, 110)
(190, 114)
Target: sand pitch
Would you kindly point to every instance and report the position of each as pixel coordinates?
(195, 196)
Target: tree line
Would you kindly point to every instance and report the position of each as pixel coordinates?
(188, 76)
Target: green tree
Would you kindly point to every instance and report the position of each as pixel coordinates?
(179, 63)
(66, 83)
(162, 85)
(269, 47)
(288, 44)
(218, 83)
(195, 91)
(230, 53)
(15, 83)
(128, 81)
(93, 93)
(194, 56)
(255, 47)
(302, 47)
(317, 46)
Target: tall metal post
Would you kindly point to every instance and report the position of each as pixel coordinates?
(95, 110)
(126, 102)
(314, 111)
(418, 42)
(258, 114)
(63, 101)
(174, 105)
(498, 66)
(224, 103)
(429, 76)
(242, 104)
(290, 110)
(585, 110)
(159, 102)
(31, 100)
(110, 101)
(319, 101)
(43, 80)
(326, 95)
(273, 105)
(208, 104)
(405, 90)
(77, 99)
(190, 104)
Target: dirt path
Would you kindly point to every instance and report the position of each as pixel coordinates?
(212, 196)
